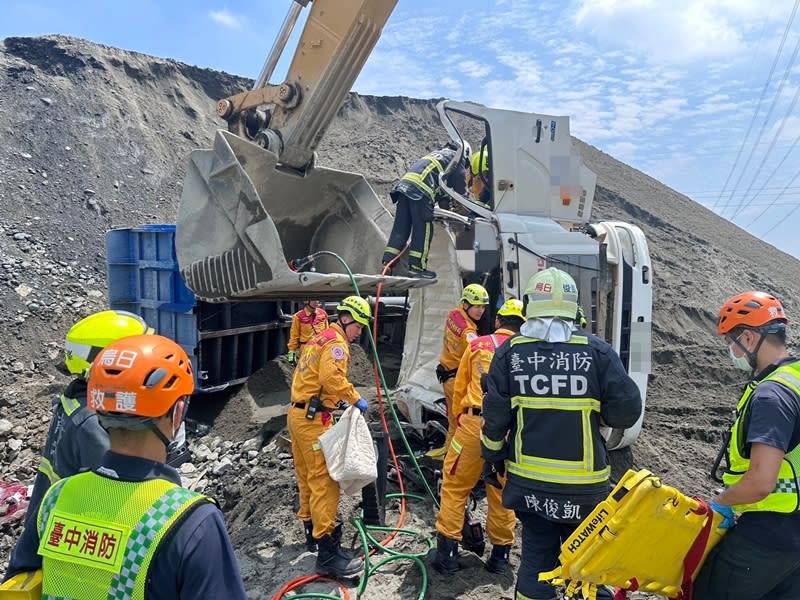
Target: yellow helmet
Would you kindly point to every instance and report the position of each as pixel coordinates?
(89, 336)
(511, 308)
(475, 294)
(479, 163)
(358, 307)
(552, 293)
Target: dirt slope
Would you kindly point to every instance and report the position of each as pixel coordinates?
(95, 137)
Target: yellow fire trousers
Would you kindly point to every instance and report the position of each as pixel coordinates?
(462, 470)
(449, 387)
(319, 494)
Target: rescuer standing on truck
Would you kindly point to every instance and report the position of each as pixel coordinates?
(75, 440)
(459, 330)
(415, 196)
(319, 384)
(760, 556)
(463, 464)
(548, 392)
(306, 323)
(128, 529)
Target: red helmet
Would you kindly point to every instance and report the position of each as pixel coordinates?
(141, 376)
(750, 309)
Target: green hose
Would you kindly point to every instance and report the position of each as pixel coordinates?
(368, 541)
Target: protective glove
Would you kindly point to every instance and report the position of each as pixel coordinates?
(727, 512)
(362, 405)
(493, 470)
(292, 358)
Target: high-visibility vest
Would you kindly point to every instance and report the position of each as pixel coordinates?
(98, 535)
(785, 497)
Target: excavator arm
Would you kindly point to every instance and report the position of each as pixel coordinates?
(256, 202)
(290, 118)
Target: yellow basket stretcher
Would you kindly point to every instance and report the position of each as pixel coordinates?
(646, 536)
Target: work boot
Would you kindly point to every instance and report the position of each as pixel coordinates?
(498, 560)
(444, 558)
(335, 562)
(311, 543)
(420, 273)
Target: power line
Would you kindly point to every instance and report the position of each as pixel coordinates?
(774, 139)
(771, 175)
(761, 98)
(772, 106)
(785, 218)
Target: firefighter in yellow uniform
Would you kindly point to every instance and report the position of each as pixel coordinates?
(319, 384)
(459, 330)
(306, 323)
(463, 464)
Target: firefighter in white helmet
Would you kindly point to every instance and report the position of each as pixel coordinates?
(548, 392)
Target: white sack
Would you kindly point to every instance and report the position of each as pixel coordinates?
(349, 452)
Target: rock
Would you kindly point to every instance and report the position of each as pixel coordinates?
(252, 444)
(14, 444)
(25, 155)
(17, 367)
(23, 290)
(252, 454)
(21, 236)
(5, 427)
(221, 466)
(187, 468)
(47, 101)
(89, 192)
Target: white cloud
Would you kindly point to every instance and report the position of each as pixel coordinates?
(226, 18)
(680, 31)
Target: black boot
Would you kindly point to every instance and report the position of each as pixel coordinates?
(335, 562)
(311, 543)
(444, 558)
(420, 273)
(498, 560)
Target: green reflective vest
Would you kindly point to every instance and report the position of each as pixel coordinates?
(784, 498)
(99, 535)
(540, 460)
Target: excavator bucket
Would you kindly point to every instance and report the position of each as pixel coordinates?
(243, 218)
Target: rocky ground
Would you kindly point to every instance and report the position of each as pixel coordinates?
(95, 137)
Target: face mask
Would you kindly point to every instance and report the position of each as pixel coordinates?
(740, 362)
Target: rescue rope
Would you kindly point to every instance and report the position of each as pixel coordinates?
(370, 544)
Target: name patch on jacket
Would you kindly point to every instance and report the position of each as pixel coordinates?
(85, 541)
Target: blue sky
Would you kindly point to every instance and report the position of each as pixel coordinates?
(679, 89)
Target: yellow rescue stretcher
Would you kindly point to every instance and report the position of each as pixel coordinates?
(25, 586)
(646, 536)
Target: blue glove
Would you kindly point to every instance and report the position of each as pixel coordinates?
(362, 405)
(727, 512)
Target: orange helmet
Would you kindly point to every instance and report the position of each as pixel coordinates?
(750, 309)
(141, 376)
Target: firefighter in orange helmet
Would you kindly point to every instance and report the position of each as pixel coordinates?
(128, 528)
(463, 463)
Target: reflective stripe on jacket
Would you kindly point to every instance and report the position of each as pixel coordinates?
(322, 370)
(785, 498)
(459, 331)
(473, 366)
(98, 535)
(305, 326)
